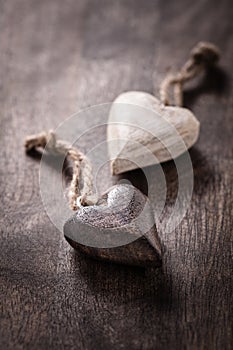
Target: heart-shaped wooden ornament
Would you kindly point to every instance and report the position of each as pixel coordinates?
(119, 229)
(138, 122)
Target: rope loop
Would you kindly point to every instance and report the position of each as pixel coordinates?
(202, 56)
(82, 168)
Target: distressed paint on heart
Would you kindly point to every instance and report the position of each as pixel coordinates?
(142, 132)
(120, 229)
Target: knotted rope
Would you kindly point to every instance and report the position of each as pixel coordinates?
(203, 55)
(82, 168)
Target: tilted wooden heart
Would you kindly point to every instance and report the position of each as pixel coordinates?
(139, 122)
(120, 229)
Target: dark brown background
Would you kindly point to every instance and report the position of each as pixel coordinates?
(56, 58)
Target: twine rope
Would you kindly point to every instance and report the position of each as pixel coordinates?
(82, 168)
(202, 56)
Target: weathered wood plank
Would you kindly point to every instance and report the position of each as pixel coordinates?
(58, 57)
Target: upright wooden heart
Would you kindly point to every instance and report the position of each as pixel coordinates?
(145, 132)
(120, 229)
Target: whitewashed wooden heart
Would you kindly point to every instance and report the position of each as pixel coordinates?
(145, 132)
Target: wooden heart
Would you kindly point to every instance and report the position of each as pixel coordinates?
(145, 132)
(119, 229)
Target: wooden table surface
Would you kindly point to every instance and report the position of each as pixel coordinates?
(58, 57)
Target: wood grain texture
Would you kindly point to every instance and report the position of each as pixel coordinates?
(56, 58)
(120, 229)
(147, 125)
